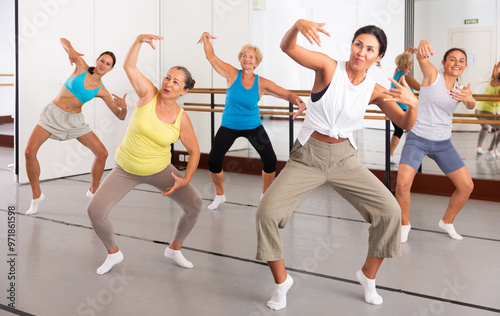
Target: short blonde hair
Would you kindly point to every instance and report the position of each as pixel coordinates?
(258, 53)
(403, 61)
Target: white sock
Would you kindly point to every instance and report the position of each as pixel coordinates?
(111, 260)
(278, 301)
(450, 229)
(405, 230)
(34, 205)
(89, 194)
(219, 199)
(371, 295)
(177, 256)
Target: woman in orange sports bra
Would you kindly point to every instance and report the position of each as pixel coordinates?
(62, 119)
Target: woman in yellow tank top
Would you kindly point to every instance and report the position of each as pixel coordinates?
(490, 107)
(144, 156)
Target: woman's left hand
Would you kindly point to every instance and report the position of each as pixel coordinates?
(179, 183)
(120, 102)
(463, 94)
(402, 93)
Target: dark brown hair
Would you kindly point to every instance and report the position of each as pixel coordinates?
(91, 69)
(189, 82)
(455, 49)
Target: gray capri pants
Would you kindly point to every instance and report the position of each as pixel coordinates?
(119, 182)
(312, 165)
(63, 125)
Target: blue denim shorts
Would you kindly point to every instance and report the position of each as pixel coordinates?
(442, 152)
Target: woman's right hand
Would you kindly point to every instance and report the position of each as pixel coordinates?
(310, 30)
(148, 38)
(425, 49)
(205, 37)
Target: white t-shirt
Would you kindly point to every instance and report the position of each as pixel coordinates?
(435, 111)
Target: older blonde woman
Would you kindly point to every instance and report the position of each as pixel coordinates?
(241, 113)
(404, 64)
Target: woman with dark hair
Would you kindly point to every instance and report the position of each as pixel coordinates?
(241, 116)
(144, 156)
(490, 107)
(325, 152)
(404, 63)
(439, 96)
(62, 119)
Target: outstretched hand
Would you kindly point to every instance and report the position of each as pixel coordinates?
(402, 93)
(310, 30)
(205, 37)
(120, 102)
(463, 94)
(179, 183)
(302, 107)
(149, 38)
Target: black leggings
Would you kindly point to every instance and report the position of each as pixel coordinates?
(398, 131)
(257, 137)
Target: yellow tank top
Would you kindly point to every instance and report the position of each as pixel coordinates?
(489, 106)
(145, 150)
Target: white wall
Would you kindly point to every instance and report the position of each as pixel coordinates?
(7, 57)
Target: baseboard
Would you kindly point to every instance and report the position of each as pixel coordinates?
(484, 189)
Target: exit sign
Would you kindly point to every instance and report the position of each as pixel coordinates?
(471, 21)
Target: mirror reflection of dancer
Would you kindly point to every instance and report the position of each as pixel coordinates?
(241, 116)
(144, 156)
(325, 153)
(62, 119)
(439, 96)
(404, 64)
(490, 107)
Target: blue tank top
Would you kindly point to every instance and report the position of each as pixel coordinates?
(241, 111)
(396, 78)
(76, 85)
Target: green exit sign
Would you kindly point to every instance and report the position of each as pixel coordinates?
(471, 21)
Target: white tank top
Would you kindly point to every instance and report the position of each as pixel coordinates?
(435, 111)
(340, 111)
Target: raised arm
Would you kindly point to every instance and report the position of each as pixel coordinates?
(323, 65)
(140, 83)
(428, 70)
(224, 69)
(73, 55)
(188, 139)
(270, 88)
(496, 71)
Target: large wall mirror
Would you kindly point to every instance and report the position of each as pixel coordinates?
(471, 25)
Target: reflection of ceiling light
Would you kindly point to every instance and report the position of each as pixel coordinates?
(259, 5)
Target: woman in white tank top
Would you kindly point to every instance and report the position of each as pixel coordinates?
(325, 152)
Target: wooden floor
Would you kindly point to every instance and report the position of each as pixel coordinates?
(55, 254)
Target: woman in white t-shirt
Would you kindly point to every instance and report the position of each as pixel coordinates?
(439, 96)
(325, 152)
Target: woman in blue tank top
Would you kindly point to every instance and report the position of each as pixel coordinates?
(440, 94)
(404, 63)
(241, 116)
(62, 119)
